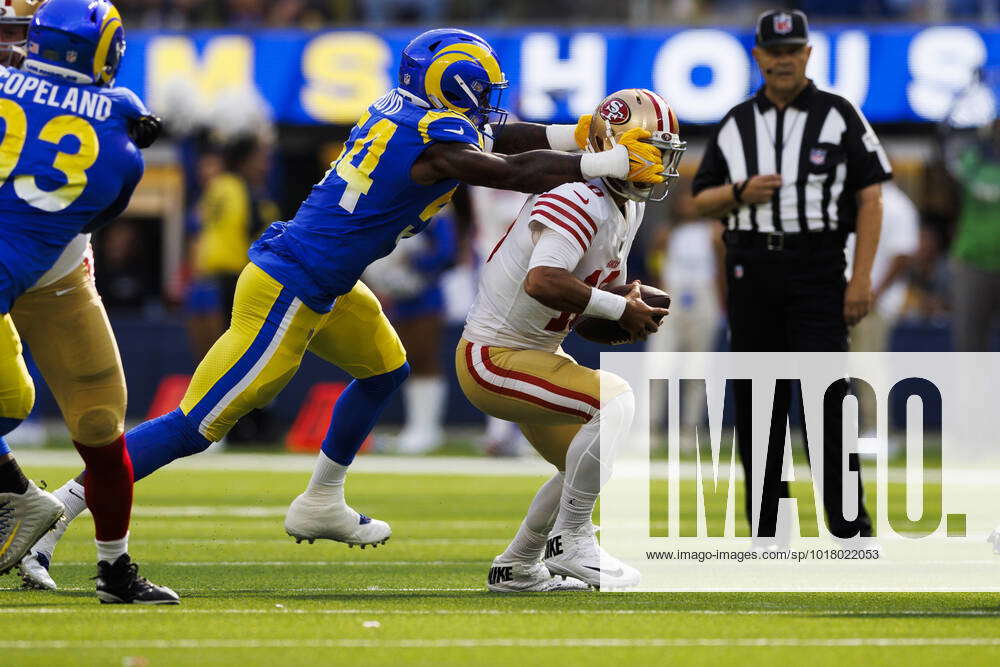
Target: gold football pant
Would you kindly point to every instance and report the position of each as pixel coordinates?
(270, 332)
(547, 394)
(67, 329)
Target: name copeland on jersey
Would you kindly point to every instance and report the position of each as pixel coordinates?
(89, 103)
(503, 314)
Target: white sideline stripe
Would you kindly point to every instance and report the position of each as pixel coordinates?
(254, 371)
(283, 563)
(529, 466)
(652, 642)
(328, 589)
(524, 612)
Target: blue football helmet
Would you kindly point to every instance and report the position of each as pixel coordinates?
(456, 70)
(79, 40)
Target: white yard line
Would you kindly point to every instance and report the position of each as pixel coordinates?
(653, 642)
(915, 613)
(528, 466)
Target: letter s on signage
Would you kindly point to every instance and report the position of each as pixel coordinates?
(719, 51)
(344, 73)
(942, 62)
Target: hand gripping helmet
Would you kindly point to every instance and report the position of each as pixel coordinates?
(79, 40)
(15, 15)
(637, 107)
(456, 70)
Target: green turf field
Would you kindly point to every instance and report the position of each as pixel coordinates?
(252, 596)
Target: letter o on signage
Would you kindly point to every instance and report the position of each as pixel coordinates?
(716, 50)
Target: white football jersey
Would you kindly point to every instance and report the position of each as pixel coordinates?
(72, 256)
(503, 314)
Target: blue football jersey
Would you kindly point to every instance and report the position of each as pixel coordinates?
(365, 204)
(66, 164)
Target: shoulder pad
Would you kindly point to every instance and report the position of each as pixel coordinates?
(448, 126)
(575, 210)
(127, 103)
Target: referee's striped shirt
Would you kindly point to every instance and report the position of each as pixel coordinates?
(820, 143)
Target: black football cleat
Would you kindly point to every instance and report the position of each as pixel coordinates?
(120, 583)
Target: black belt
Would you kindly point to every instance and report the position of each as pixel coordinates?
(781, 241)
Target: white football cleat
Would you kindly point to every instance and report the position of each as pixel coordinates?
(24, 518)
(519, 577)
(311, 520)
(34, 570)
(576, 553)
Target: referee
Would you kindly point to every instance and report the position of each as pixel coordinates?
(790, 173)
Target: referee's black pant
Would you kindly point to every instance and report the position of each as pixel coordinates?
(791, 300)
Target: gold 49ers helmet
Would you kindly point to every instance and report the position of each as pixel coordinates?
(628, 109)
(15, 15)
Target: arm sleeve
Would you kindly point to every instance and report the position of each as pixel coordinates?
(713, 169)
(555, 250)
(573, 210)
(867, 162)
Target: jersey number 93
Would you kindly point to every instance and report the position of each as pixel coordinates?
(73, 166)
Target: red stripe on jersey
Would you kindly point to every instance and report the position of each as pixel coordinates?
(573, 205)
(562, 224)
(513, 393)
(656, 107)
(569, 217)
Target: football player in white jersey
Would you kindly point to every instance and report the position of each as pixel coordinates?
(565, 246)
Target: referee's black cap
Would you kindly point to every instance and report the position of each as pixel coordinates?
(780, 26)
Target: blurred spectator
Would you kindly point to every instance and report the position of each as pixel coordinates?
(894, 258)
(122, 275)
(408, 283)
(975, 267)
(233, 210)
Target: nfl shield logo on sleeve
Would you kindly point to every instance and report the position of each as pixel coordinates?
(817, 156)
(783, 23)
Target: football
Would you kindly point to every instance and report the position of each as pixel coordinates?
(609, 332)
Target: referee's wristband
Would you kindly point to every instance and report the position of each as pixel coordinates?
(738, 189)
(605, 305)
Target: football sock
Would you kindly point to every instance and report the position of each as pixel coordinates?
(154, 444)
(109, 551)
(71, 494)
(327, 483)
(108, 488)
(528, 544)
(425, 399)
(12, 479)
(584, 466)
(356, 412)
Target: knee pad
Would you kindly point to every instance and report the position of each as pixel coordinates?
(386, 383)
(8, 424)
(97, 425)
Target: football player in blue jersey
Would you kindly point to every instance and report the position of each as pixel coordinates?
(68, 164)
(400, 165)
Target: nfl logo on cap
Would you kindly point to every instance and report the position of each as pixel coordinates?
(782, 23)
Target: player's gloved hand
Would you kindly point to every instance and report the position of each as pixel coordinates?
(145, 130)
(645, 161)
(640, 319)
(582, 132)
